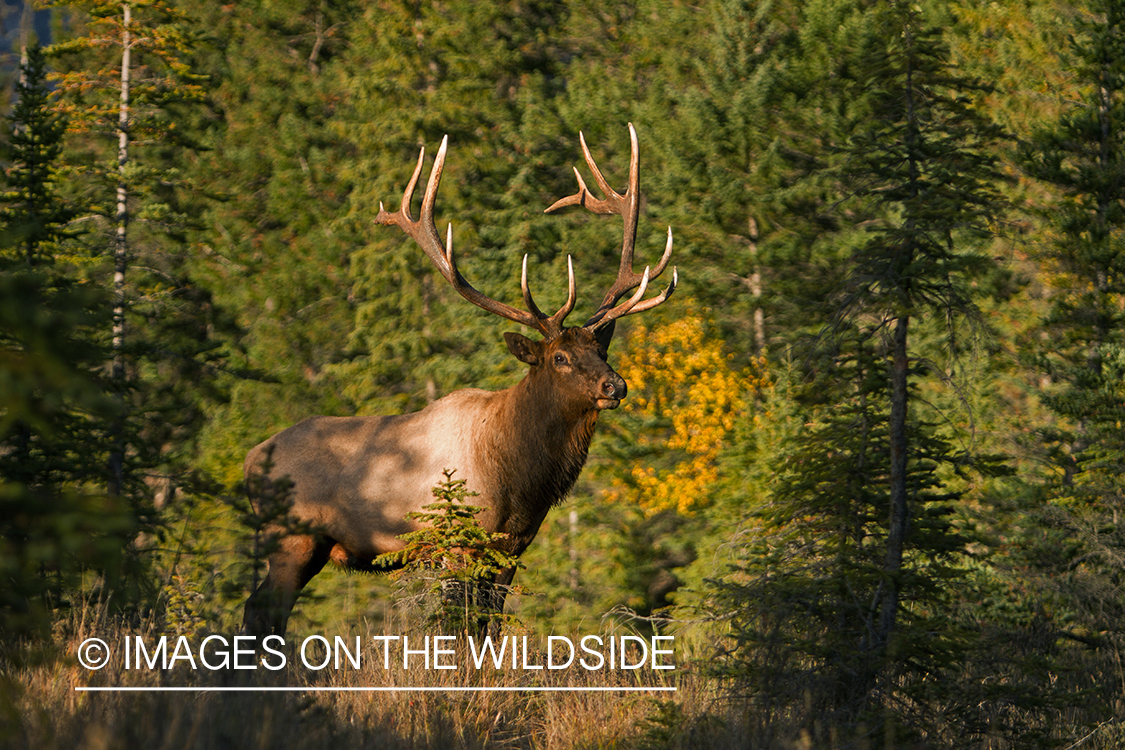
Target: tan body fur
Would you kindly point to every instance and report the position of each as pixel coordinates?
(355, 479)
(361, 476)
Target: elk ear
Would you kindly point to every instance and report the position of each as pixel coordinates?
(524, 349)
(604, 335)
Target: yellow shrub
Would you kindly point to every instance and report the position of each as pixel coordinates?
(680, 377)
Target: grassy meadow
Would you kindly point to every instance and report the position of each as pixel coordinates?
(43, 709)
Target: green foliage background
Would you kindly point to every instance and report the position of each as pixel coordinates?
(745, 493)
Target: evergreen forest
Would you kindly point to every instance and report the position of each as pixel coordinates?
(870, 470)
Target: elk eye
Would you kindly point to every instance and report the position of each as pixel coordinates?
(560, 358)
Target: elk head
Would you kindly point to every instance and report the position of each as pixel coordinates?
(576, 354)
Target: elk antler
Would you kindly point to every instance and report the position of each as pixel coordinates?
(426, 235)
(628, 206)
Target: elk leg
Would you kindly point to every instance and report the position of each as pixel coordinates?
(490, 598)
(294, 563)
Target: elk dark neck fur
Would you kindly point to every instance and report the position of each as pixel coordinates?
(545, 448)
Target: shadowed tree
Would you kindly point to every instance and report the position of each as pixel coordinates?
(858, 536)
(54, 406)
(125, 87)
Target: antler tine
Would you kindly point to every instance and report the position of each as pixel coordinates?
(527, 300)
(408, 194)
(625, 307)
(571, 295)
(572, 289)
(648, 304)
(614, 202)
(628, 206)
(634, 303)
(606, 314)
(612, 196)
(424, 232)
(430, 196)
(554, 322)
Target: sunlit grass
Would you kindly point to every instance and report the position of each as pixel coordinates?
(42, 709)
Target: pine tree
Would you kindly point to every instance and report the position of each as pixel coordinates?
(123, 75)
(54, 406)
(277, 255)
(870, 546)
(1077, 544)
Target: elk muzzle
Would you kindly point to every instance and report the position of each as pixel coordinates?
(611, 389)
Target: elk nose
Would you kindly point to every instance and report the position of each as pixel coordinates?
(614, 387)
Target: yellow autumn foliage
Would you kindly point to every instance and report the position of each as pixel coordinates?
(680, 377)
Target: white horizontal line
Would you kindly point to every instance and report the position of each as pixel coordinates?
(112, 689)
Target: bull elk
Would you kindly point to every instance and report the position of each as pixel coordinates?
(355, 479)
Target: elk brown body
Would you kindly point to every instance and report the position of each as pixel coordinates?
(355, 479)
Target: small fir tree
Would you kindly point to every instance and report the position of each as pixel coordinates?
(457, 557)
(32, 203)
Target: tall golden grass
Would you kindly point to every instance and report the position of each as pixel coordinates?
(42, 707)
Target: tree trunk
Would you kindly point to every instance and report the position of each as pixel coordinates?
(900, 515)
(121, 263)
(572, 540)
(755, 283)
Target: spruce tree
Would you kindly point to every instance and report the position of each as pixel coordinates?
(54, 407)
(806, 600)
(125, 87)
(922, 164)
(1077, 542)
(870, 473)
(31, 201)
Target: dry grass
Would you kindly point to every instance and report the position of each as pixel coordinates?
(41, 709)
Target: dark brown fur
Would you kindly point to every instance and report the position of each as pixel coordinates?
(355, 479)
(521, 448)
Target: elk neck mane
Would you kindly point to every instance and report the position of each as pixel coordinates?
(542, 447)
